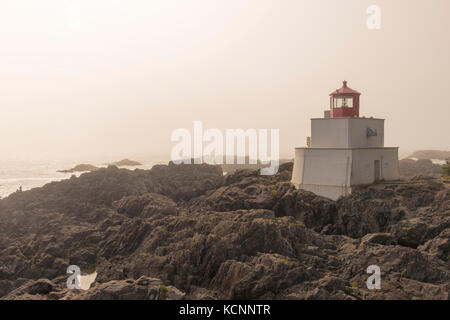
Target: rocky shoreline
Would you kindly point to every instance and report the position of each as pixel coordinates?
(188, 232)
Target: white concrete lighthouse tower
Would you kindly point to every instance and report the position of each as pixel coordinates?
(344, 150)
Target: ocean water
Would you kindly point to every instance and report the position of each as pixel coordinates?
(33, 174)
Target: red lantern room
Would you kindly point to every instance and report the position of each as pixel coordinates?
(344, 102)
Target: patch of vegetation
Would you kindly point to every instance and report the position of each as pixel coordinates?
(410, 233)
(274, 193)
(163, 292)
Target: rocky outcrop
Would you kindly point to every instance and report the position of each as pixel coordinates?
(80, 168)
(406, 273)
(313, 211)
(146, 205)
(188, 232)
(413, 212)
(144, 288)
(246, 189)
(124, 163)
(438, 246)
(32, 290)
(410, 168)
(430, 154)
(232, 168)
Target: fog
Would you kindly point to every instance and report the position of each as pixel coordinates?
(104, 79)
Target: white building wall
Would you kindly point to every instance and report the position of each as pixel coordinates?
(332, 172)
(297, 170)
(357, 132)
(346, 133)
(327, 167)
(363, 169)
(389, 167)
(329, 133)
(342, 155)
(326, 172)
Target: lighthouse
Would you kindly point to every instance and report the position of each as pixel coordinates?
(344, 150)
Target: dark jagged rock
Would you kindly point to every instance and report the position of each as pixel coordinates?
(32, 290)
(406, 273)
(185, 181)
(379, 238)
(247, 189)
(232, 168)
(104, 186)
(263, 277)
(144, 288)
(314, 211)
(439, 246)
(205, 236)
(146, 205)
(413, 212)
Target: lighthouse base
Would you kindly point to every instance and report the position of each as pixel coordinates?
(332, 192)
(332, 172)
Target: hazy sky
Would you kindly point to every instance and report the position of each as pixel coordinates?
(117, 81)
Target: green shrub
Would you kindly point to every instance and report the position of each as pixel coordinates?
(163, 292)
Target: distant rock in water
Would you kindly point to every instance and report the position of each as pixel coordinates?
(125, 162)
(410, 168)
(431, 154)
(80, 168)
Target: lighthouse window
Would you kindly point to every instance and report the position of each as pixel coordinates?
(343, 102)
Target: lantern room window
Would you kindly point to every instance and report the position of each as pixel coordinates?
(343, 102)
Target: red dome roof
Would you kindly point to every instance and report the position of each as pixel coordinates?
(344, 90)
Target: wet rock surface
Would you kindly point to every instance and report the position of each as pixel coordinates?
(188, 232)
